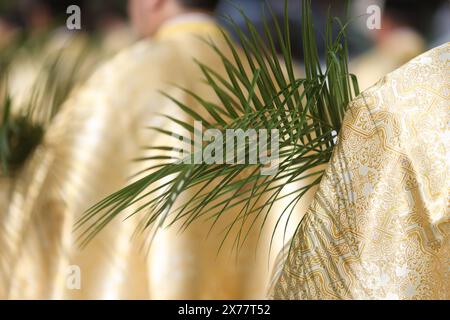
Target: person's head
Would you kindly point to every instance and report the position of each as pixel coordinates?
(148, 15)
(37, 14)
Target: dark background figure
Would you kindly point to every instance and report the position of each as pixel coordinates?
(428, 18)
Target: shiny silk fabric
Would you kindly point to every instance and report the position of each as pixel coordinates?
(87, 155)
(378, 227)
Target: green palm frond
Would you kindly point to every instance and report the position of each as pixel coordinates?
(18, 138)
(261, 91)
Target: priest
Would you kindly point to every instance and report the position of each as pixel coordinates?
(378, 227)
(86, 155)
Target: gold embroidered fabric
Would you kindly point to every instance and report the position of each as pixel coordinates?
(378, 227)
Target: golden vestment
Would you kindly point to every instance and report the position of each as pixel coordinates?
(378, 227)
(87, 155)
(27, 76)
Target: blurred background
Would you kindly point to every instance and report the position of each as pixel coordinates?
(429, 19)
(408, 27)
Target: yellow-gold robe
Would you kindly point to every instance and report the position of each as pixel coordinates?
(378, 227)
(26, 80)
(87, 155)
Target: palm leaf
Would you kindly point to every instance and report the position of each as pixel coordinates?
(260, 92)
